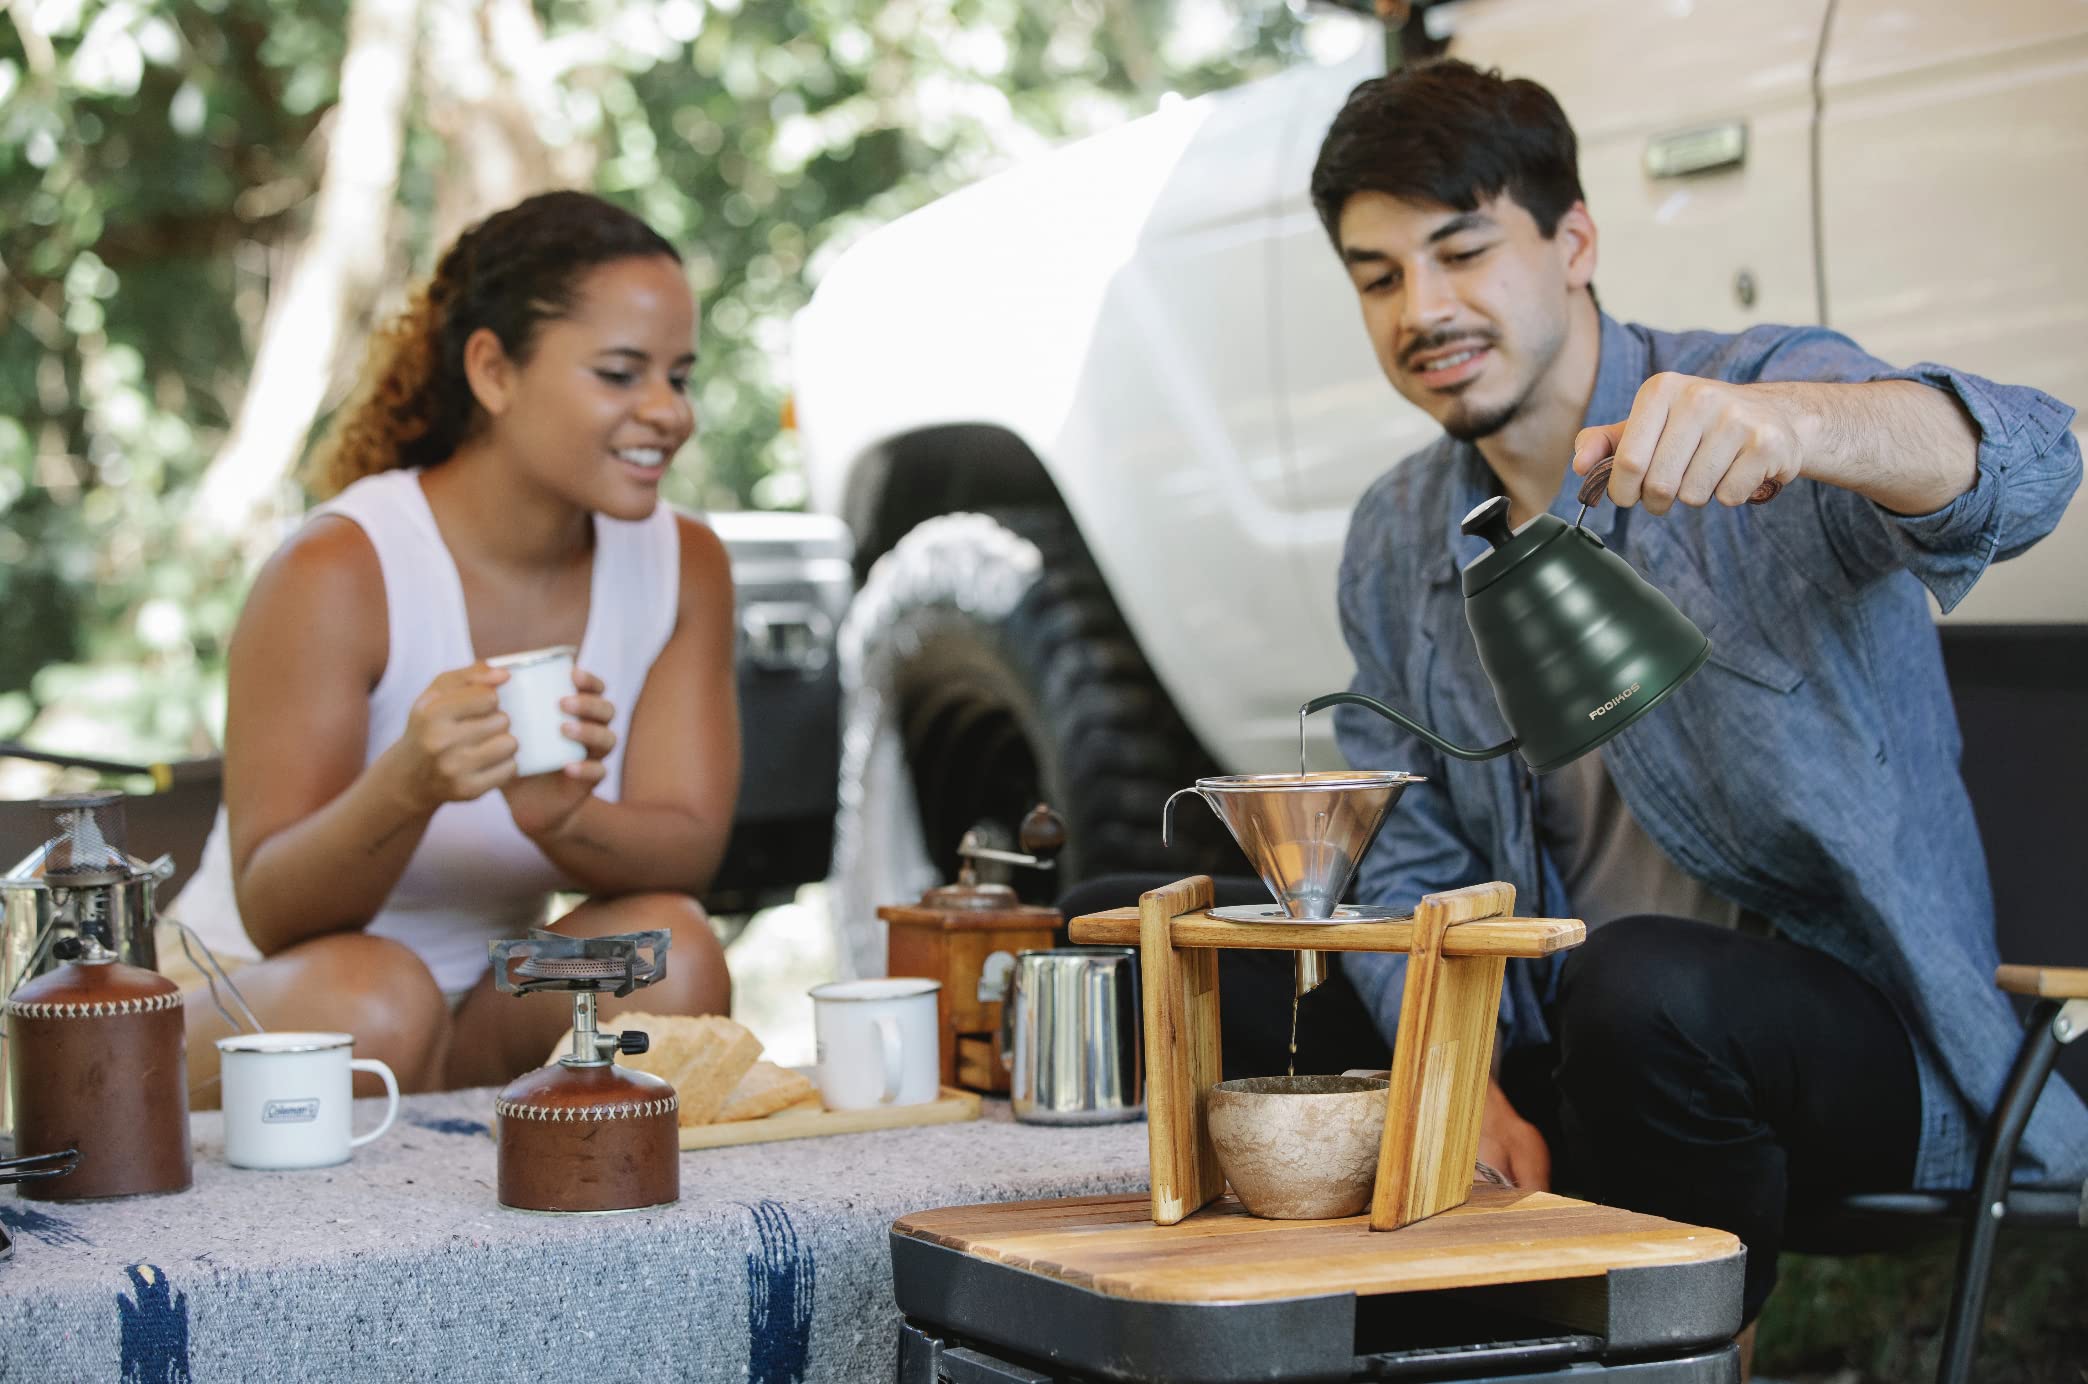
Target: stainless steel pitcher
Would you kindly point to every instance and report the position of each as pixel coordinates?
(1069, 1033)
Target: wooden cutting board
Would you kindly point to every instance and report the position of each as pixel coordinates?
(1110, 1245)
(952, 1107)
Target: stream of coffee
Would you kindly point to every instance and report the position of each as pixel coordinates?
(1295, 996)
(1294, 1033)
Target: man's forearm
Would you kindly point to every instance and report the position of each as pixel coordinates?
(1905, 446)
(623, 848)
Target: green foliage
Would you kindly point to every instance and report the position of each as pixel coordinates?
(158, 158)
(1877, 1319)
(145, 151)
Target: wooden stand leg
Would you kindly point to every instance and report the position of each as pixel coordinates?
(1440, 1062)
(1182, 1051)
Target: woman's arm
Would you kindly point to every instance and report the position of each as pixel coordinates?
(681, 767)
(319, 841)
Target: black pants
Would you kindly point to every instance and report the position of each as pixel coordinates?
(1721, 1079)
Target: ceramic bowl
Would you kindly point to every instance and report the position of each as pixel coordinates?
(1299, 1148)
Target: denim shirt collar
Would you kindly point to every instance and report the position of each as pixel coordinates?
(1619, 371)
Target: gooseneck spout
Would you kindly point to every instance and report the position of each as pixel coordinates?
(1371, 703)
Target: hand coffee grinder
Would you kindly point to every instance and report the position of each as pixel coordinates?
(950, 934)
(584, 1134)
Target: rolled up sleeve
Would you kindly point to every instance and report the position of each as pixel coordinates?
(2028, 467)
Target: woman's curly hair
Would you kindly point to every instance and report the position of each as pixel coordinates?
(510, 273)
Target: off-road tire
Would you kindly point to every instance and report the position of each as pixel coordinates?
(989, 644)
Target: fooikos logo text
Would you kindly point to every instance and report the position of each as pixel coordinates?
(1614, 702)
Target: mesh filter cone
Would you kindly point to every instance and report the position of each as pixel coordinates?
(1305, 834)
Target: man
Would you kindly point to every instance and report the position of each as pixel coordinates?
(1785, 994)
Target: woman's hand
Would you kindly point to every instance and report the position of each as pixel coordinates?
(1511, 1144)
(456, 743)
(543, 803)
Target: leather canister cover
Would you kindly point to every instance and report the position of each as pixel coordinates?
(97, 1062)
(588, 1139)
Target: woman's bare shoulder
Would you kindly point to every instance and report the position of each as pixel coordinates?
(706, 568)
(325, 576)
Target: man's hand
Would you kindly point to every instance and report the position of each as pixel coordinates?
(1511, 1144)
(1695, 440)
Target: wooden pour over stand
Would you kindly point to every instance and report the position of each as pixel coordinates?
(1458, 944)
(1168, 1288)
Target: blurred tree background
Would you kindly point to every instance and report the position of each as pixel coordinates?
(206, 204)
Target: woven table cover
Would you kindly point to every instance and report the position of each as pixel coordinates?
(774, 1266)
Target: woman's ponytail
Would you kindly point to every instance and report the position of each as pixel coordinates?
(396, 403)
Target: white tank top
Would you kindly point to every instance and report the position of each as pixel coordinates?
(475, 876)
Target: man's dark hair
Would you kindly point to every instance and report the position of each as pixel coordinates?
(1446, 132)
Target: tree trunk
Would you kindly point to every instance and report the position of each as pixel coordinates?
(334, 276)
(492, 85)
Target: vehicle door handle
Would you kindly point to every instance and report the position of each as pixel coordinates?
(1699, 149)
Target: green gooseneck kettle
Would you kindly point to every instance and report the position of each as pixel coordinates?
(1576, 644)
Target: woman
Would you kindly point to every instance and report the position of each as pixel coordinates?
(498, 491)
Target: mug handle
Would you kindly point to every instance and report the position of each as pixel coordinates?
(892, 1057)
(391, 1091)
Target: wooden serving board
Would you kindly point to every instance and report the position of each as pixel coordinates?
(1221, 1254)
(952, 1107)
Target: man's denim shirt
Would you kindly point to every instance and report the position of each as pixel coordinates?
(1809, 771)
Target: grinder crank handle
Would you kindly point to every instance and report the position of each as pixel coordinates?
(1042, 835)
(1597, 485)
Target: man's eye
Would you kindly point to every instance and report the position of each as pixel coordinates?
(1381, 283)
(615, 377)
(680, 383)
(1462, 255)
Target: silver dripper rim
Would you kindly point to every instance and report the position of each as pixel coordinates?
(1304, 834)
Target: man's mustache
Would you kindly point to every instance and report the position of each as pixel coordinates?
(1436, 341)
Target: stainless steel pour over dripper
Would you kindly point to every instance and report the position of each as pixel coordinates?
(1305, 835)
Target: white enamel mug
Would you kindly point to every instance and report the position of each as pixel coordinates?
(286, 1099)
(877, 1042)
(537, 681)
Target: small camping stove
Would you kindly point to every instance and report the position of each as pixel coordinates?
(583, 1134)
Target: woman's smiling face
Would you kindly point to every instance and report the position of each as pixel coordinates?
(601, 405)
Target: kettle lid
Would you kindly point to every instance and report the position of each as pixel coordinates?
(1489, 520)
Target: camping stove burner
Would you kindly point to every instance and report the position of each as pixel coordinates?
(580, 968)
(552, 961)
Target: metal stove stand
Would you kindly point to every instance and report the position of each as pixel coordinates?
(974, 1321)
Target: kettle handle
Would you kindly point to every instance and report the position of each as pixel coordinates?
(1597, 485)
(1167, 810)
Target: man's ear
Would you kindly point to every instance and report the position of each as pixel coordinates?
(489, 372)
(1575, 237)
